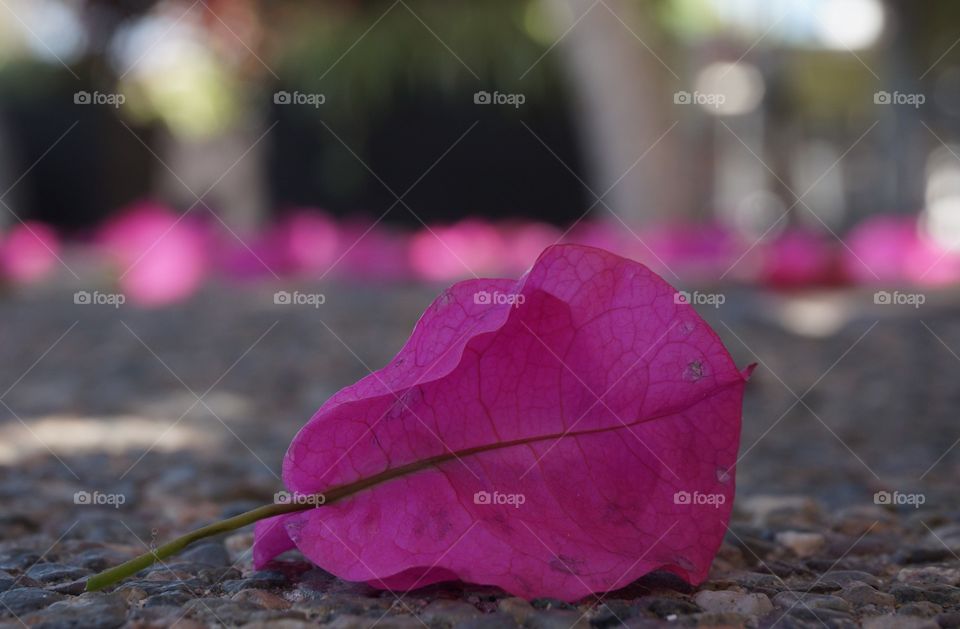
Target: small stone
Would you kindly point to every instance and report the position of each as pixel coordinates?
(349, 621)
(797, 600)
(823, 616)
(891, 621)
(550, 603)
(18, 559)
(717, 620)
(70, 587)
(924, 609)
(517, 608)
(98, 559)
(219, 611)
(444, 611)
(767, 510)
(93, 610)
(859, 519)
(6, 580)
(929, 575)
(211, 554)
(167, 599)
(802, 544)
(663, 606)
(262, 580)
(942, 594)
(846, 577)
(557, 619)
(861, 594)
(923, 554)
(612, 613)
(23, 600)
(733, 602)
(496, 620)
(261, 598)
(239, 546)
(55, 572)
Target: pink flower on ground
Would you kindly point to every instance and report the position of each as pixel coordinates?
(798, 257)
(558, 435)
(160, 256)
(29, 252)
(461, 250)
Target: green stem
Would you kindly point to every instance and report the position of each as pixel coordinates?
(135, 565)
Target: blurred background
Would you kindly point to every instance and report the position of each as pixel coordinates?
(215, 214)
(787, 143)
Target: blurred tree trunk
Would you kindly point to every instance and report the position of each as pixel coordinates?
(232, 163)
(623, 102)
(6, 176)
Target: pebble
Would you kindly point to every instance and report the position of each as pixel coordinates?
(211, 554)
(802, 544)
(92, 610)
(769, 510)
(496, 620)
(860, 594)
(55, 572)
(899, 622)
(22, 600)
(259, 581)
(924, 609)
(847, 577)
(558, 619)
(448, 611)
(517, 608)
(663, 607)
(733, 602)
(18, 559)
(796, 600)
(929, 575)
(97, 559)
(261, 598)
(6, 580)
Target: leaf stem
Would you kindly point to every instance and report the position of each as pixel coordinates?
(135, 565)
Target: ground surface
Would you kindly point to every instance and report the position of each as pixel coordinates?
(105, 401)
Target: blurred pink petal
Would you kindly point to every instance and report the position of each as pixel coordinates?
(29, 252)
(608, 235)
(377, 253)
(161, 257)
(310, 239)
(798, 257)
(470, 247)
(524, 242)
(890, 249)
(693, 251)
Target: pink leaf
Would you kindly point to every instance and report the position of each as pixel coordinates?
(555, 436)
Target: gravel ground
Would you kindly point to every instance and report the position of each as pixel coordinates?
(184, 413)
